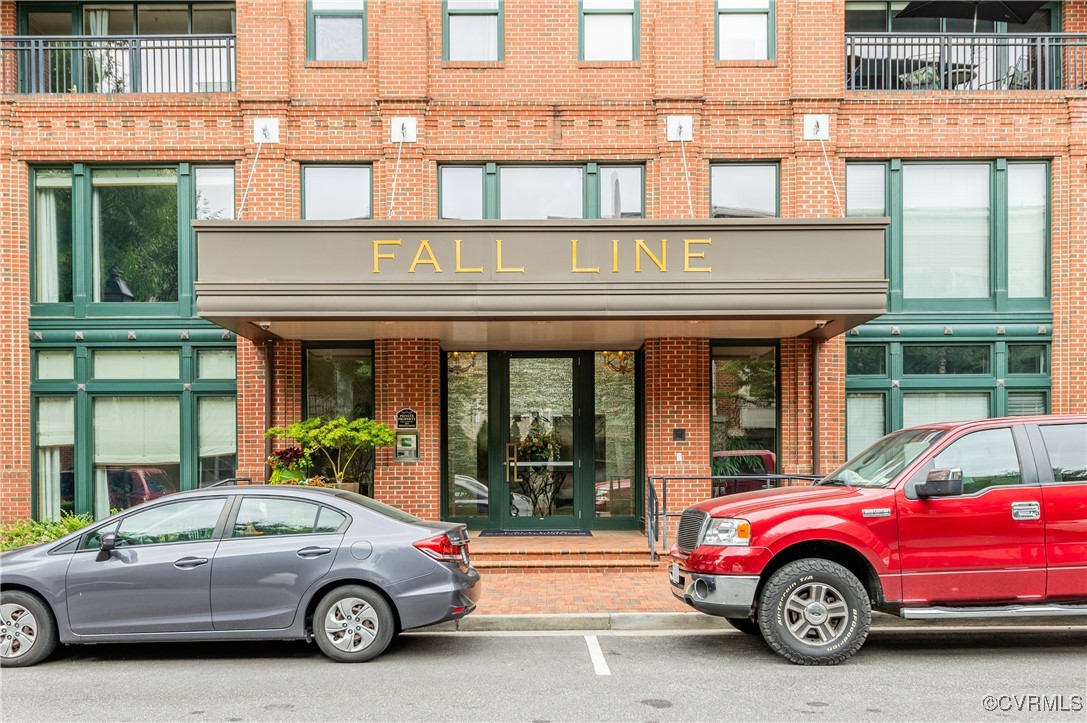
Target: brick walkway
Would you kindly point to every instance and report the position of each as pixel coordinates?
(561, 590)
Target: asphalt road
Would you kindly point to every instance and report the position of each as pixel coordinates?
(900, 674)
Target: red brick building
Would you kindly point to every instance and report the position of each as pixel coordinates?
(563, 181)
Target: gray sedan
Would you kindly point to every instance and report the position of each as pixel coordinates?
(238, 563)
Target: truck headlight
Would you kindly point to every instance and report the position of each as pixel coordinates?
(727, 531)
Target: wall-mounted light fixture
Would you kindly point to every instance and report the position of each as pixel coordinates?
(620, 362)
(461, 363)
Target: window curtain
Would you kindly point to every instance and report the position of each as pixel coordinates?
(107, 57)
(48, 242)
(218, 431)
(56, 430)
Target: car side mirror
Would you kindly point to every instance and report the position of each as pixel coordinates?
(941, 483)
(107, 541)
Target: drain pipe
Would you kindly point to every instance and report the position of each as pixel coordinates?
(269, 384)
(815, 444)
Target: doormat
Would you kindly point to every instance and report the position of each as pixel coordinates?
(535, 533)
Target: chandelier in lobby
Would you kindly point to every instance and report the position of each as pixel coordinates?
(461, 363)
(620, 362)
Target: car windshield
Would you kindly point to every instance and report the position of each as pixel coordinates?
(881, 462)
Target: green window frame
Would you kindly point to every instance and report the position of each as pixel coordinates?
(735, 9)
(610, 8)
(1007, 392)
(189, 390)
(81, 264)
(452, 9)
(317, 10)
(593, 175)
(1000, 248)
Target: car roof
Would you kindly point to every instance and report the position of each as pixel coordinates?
(263, 490)
(1001, 421)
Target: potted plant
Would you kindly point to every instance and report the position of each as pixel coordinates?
(343, 444)
(289, 465)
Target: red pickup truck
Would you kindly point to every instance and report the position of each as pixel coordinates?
(964, 520)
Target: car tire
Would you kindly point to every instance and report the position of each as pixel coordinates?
(814, 612)
(28, 629)
(353, 624)
(745, 625)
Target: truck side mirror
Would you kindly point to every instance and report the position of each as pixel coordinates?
(941, 483)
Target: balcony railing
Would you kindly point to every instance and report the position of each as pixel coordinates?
(117, 64)
(982, 61)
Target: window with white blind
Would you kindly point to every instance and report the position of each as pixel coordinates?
(609, 30)
(928, 407)
(865, 421)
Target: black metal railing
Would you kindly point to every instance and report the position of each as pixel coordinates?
(117, 64)
(950, 61)
(657, 513)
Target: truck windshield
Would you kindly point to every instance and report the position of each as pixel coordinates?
(881, 462)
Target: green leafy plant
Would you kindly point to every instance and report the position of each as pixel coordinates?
(538, 444)
(288, 465)
(31, 532)
(340, 441)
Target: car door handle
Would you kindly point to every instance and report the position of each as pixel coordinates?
(313, 551)
(188, 563)
(1026, 511)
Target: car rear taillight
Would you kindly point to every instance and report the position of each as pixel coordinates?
(443, 548)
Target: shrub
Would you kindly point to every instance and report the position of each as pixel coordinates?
(31, 532)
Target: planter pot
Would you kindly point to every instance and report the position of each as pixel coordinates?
(349, 486)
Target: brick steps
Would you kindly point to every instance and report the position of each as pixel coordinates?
(564, 560)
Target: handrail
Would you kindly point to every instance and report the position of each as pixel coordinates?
(965, 61)
(198, 63)
(657, 513)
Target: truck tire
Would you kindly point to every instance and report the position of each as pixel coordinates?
(814, 612)
(745, 625)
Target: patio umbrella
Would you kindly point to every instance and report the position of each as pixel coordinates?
(1006, 12)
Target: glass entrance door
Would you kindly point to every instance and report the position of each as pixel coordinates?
(541, 470)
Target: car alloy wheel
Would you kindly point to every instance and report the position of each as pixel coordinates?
(816, 613)
(27, 631)
(353, 624)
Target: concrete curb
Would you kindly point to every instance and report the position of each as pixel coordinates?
(699, 621)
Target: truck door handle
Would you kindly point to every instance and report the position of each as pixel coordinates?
(313, 551)
(188, 563)
(1026, 511)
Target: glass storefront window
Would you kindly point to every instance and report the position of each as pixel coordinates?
(865, 421)
(926, 408)
(865, 189)
(744, 190)
(216, 364)
(135, 231)
(614, 429)
(467, 433)
(1027, 359)
(946, 220)
(214, 193)
(621, 192)
(58, 364)
(462, 192)
(541, 193)
(940, 359)
(1024, 403)
(336, 193)
(1027, 210)
(866, 360)
(744, 410)
(53, 235)
(217, 439)
(339, 382)
(56, 451)
(138, 364)
(137, 450)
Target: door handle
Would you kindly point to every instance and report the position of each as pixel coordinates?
(188, 563)
(511, 463)
(313, 551)
(1026, 511)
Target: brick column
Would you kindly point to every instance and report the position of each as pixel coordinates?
(677, 395)
(407, 373)
(252, 410)
(1069, 270)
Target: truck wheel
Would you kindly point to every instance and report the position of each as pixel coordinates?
(814, 612)
(745, 625)
(28, 631)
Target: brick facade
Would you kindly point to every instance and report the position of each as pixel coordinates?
(527, 109)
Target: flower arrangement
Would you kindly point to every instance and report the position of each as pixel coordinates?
(288, 465)
(539, 444)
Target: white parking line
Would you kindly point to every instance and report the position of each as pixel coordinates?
(597, 655)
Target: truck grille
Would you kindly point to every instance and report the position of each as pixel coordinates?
(690, 529)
